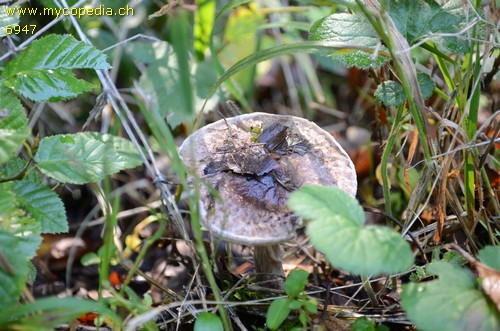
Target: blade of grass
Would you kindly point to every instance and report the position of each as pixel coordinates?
(470, 126)
(179, 35)
(272, 52)
(384, 163)
(233, 89)
(399, 49)
(169, 148)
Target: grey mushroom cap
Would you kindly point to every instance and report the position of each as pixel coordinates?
(249, 183)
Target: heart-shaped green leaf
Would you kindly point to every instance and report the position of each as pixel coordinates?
(336, 229)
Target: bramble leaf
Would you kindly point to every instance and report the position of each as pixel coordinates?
(14, 166)
(7, 19)
(56, 52)
(42, 71)
(42, 204)
(124, 147)
(13, 124)
(84, 157)
(13, 269)
(48, 85)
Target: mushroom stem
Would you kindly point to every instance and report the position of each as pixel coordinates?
(268, 264)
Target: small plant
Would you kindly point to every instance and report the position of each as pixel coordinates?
(29, 207)
(366, 324)
(297, 300)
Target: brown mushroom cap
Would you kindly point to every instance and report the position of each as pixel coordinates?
(253, 181)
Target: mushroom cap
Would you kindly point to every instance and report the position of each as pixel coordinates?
(250, 180)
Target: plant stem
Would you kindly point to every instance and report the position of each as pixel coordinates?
(369, 290)
(109, 226)
(207, 265)
(404, 66)
(385, 162)
(163, 134)
(268, 264)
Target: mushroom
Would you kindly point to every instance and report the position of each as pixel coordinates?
(253, 162)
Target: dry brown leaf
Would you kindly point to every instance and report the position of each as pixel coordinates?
(490, 282)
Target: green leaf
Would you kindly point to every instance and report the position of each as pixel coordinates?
(242, 37)
(29, 234)
(296, 282)
(6, 18)
(454, 257)
(10, 141)
(13, 124)
(7, 202)
(359, 59)
(16, 221)
(163, 90)
(203, 22)
(490, 255)
(344, 27)
(349, 29)
(415, 19)
(418, 19)
(277, 313)
(413, 177)
(90, 259)
(49, 313)
(15, 166)
(43, 205)
(390, 93)
(295, 304)
(208, 322)
(56, 52)
(453, 301)
(48, 85)
(124, 147)
(360, 250)
(317, 202)
(426, 84)
(148, 52)
(82, 158)
(311, 306)
(272, 52)
(364, 324)
(303, 318)
(179, 36)
(13, 270)
(13, 115)
(336, 229)
(42, 71)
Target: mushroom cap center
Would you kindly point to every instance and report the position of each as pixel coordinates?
(250, 176)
